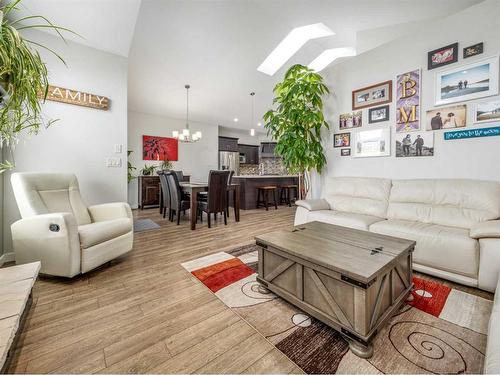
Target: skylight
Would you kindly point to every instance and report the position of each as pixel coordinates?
(330, 55)
(291, 44)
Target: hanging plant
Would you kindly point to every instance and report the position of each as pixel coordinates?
(297, 121)
(23, 76)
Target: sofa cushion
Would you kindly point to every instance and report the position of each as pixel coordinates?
(345, 219)
(454, 203)
(95, 233)
(360, 195)
(446, 248)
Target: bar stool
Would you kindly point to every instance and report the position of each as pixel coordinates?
(263, 196)
(285, 194)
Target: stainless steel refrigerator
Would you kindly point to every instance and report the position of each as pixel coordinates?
(229, 161)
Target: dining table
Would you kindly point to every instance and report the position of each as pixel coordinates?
(193, 188)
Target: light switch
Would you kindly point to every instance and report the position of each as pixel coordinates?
(113, 162)
(118, 149)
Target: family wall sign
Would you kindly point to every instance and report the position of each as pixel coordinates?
(475, 133)
(63, 95)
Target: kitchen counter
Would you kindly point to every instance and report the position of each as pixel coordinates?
(266, 176)
(250, 183)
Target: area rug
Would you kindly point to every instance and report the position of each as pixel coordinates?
(141, 225)
(438, 330)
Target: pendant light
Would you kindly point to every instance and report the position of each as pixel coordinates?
(185, 135)
(252, 130)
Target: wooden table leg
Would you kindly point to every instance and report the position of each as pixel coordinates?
(236, 199)
(194, 207)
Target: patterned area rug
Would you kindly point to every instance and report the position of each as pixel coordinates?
(439, 330)
(141, 225)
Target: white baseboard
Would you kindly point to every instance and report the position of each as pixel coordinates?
(7, 257)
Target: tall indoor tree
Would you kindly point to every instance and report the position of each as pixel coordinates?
(23, 76)
(296, 123)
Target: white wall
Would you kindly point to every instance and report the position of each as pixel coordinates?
(195, 159)
(243, 136)
(471, 158)
(83, 137)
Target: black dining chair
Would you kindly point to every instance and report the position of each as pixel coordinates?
(178, 201)
(216, 201)
(229, 182)
(165, 193)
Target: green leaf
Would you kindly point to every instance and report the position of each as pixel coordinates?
(296, 121)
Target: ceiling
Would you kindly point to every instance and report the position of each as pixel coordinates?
(217, 45)
(107, 25)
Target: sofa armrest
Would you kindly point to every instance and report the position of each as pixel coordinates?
(486, 229)
(313, 204)
(51, 239)
(110, 211)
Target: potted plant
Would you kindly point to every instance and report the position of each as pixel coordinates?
(148, 170)
(297, 121)
(23, 76)
(130, 168)
(166, 165)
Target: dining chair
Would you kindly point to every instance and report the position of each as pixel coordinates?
(178, 201)
(166, 194)
(229, 182)
(216, 201)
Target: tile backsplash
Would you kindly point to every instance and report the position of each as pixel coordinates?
(267, 165)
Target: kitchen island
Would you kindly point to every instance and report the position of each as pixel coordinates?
(250, 183)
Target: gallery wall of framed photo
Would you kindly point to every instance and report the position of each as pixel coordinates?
(444, 79)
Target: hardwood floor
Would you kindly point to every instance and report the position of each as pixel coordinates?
(145, 314)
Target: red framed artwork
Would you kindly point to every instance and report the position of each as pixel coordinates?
(159, 148)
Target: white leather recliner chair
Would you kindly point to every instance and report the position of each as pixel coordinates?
(60, 231)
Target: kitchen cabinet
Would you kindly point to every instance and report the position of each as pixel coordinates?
(251, 153)
(228, 144)
(267, 149)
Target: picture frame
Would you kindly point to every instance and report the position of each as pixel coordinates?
(446, 118)
(380, 93)
(442, 56)
(466, 82)
(372, 143)
(351, 120)
(414, 144)
(473, 50)
(345, 152)
(487, 111)
(159, 148)
(342, 140)
(408, 87)
(379, 114)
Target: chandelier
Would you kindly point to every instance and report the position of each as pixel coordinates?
(185, 135)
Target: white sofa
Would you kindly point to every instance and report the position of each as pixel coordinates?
(59, 230)
(454, 222)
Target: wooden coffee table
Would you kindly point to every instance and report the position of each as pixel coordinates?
(351, 280)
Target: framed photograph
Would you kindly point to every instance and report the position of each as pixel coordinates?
(372, 143)
(471, 81)
(408, 101)
(378, 114)
(442, 56)
(370, 96)
(415, 144)
(474, 50)
(342, 140)
(345, 152)
(447, 117)
(351, 120)
(159, 148)
(487, 111)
